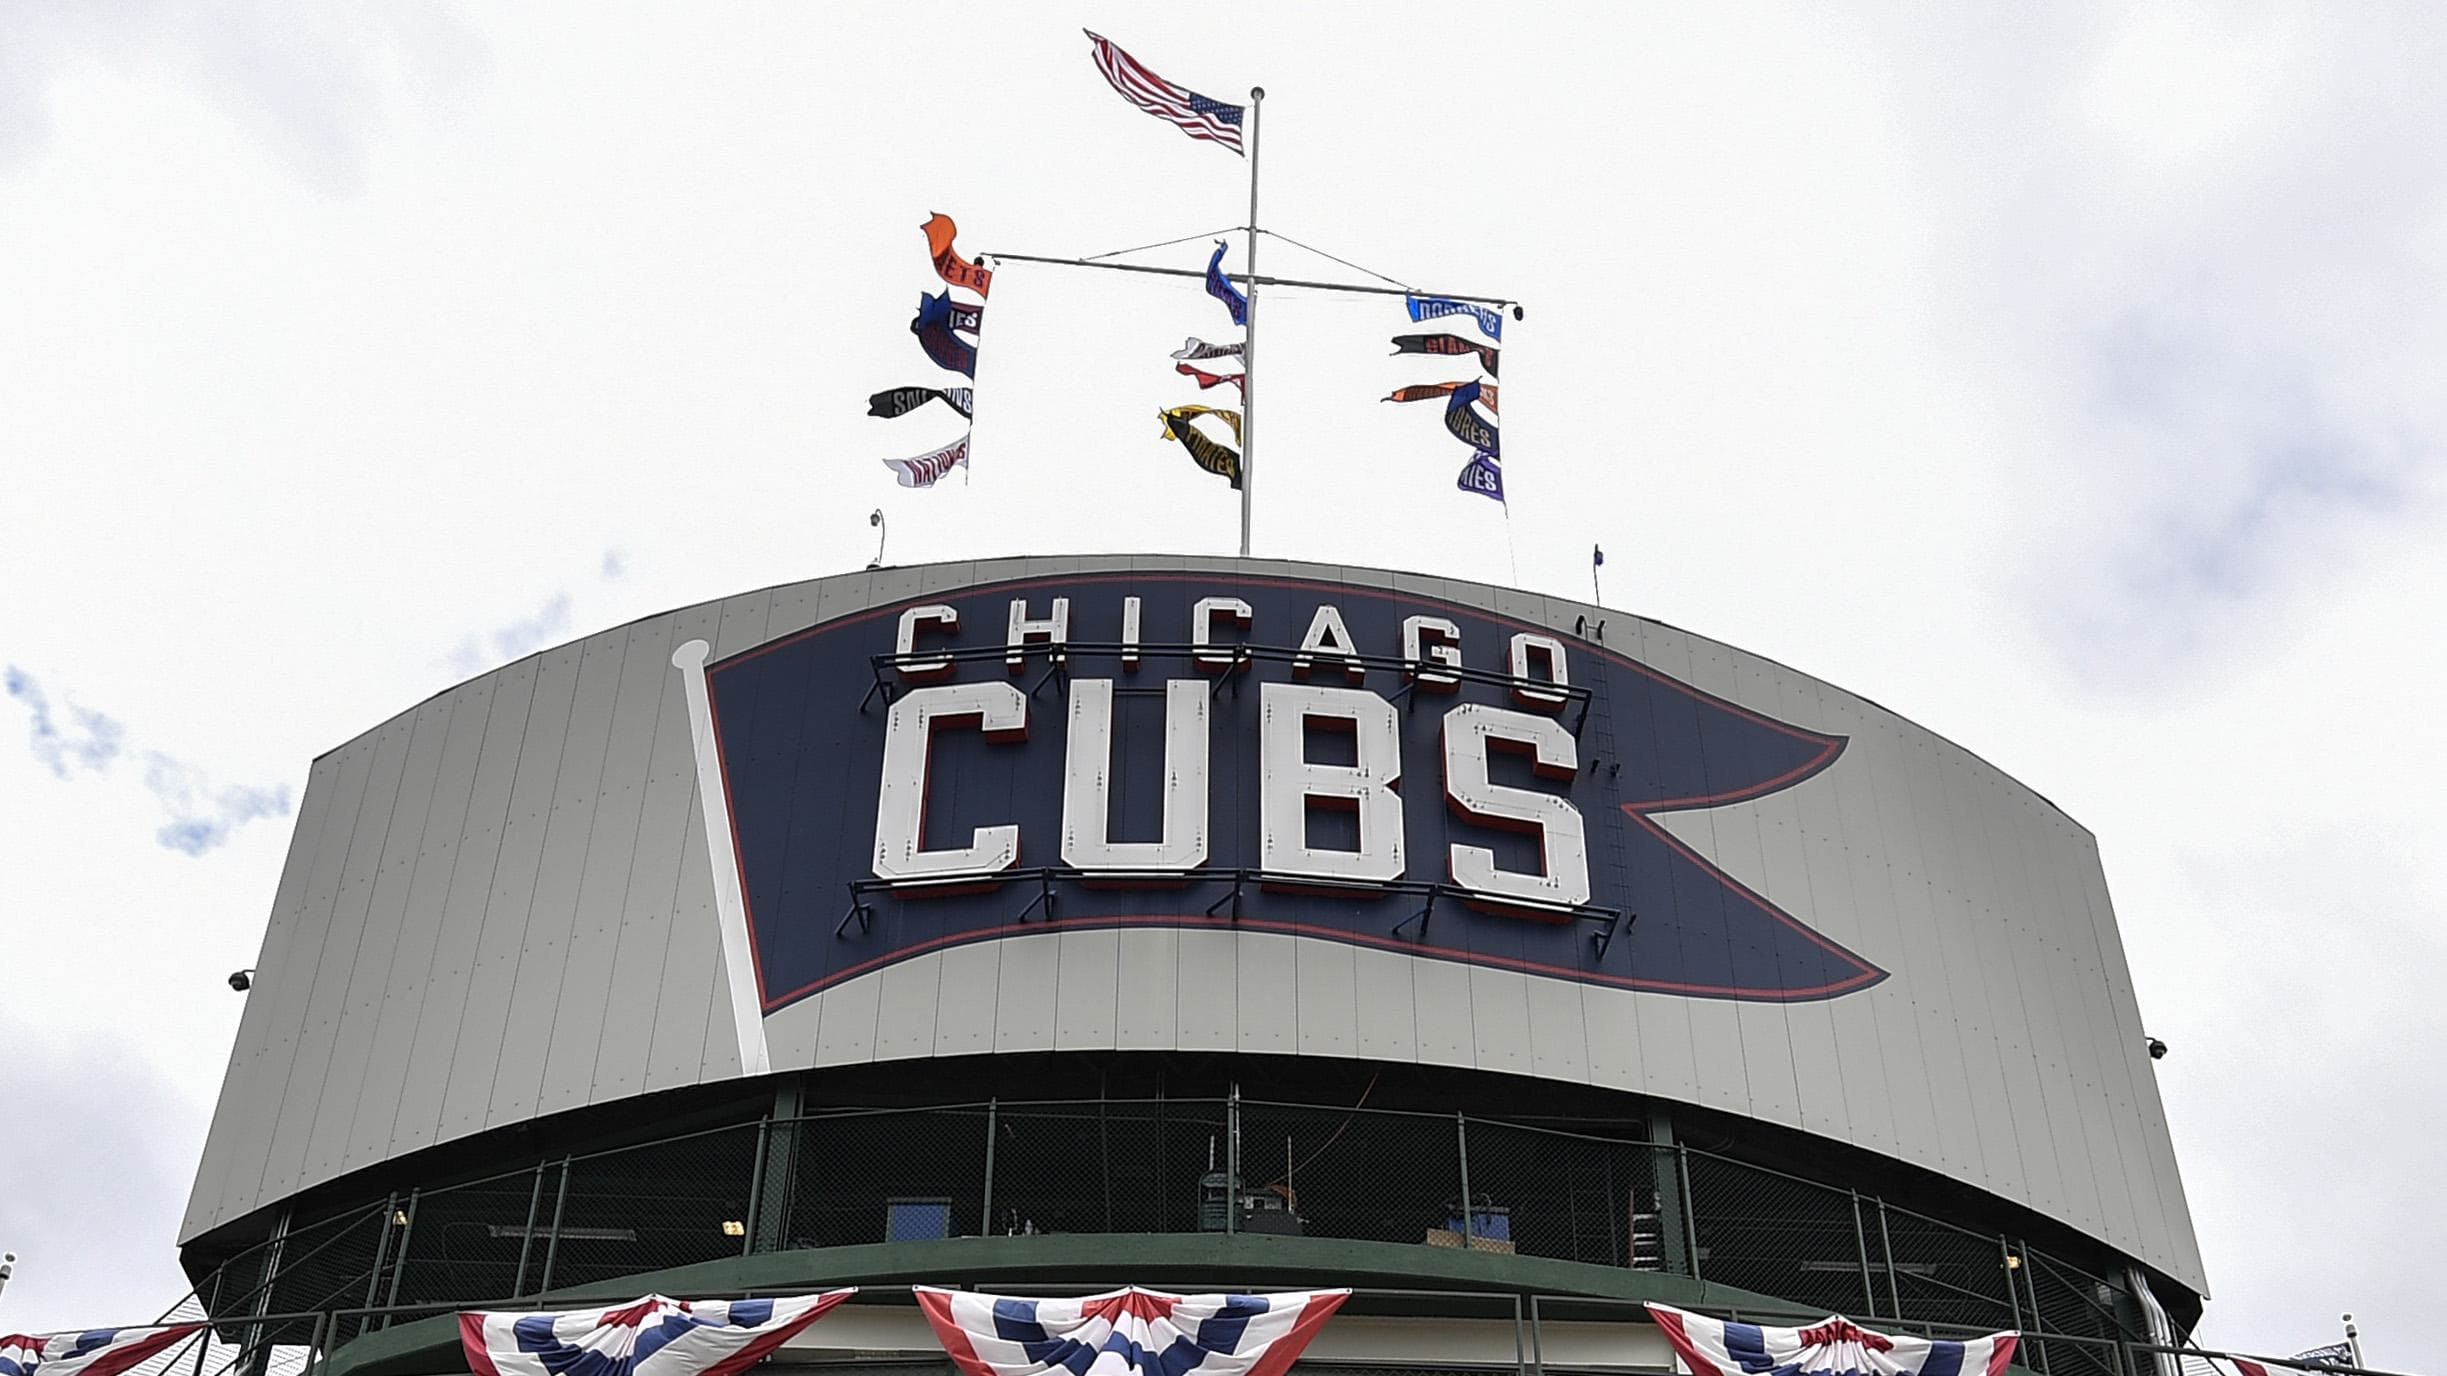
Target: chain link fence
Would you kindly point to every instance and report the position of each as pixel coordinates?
(910, 1175)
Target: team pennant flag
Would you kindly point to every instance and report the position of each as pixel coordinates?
(652, 1336)
(1183, 108)
(1429, 391)
(97, 1352)
(900, 401)
(1222, 289)
(1204, 451)
(2301, 1363)
(1446, 345)
(931, 467)
(1483, 474)
(1196, 348)
(933, 327)
(1490, 321)
(949, 265)
(1830, 1347)
(1130, 1332)
(1467, 425)
(1207, 380)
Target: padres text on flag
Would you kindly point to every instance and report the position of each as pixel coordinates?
(1430, 307)
(1130, 1332)
(1190, 112)
(931, 467)
(97, 1352)
(1467, 425)
(653, 1336)
(1831, 1347)
(1221, 288)
(949, 265)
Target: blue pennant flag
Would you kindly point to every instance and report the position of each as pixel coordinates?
(1484, 475)
(1489, 320)
(1468, 425)
(1222, 290)
(933, 327)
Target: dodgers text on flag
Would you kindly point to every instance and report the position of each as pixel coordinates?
(1130, 1332)
(98, 1352)
(931, 467)
(1221, 288)
(1831, 1347)
(1490, 321)
(652, 1336)
(949, 265)
(1185, 109)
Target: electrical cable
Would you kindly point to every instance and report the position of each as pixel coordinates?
(1344, 261)
(1143, 248)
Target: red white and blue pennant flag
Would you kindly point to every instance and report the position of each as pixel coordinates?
(1130, 1332)
(653, 1336)
(1183, 108)
(1830, 1347)
(97, 1352)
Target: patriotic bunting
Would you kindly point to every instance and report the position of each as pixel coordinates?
(653, 1336)
(1467, 425)
(1183, 108)
(1490, 321)
(1196, 348)
(1203, 450)
(1208, 380)
(900, 401)
(1483, 474)
(955, 270)
(1222, 289)
(931, 467)
(933, 327)
(1831, 1347)
(1430, 391)
(98, 1352)
(1445, 345)
(1130, 1332)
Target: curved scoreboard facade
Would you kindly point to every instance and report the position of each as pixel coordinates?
(1282, 823)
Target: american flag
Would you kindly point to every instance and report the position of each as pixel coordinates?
(1190, 112)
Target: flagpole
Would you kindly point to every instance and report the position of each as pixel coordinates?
(1248, 392)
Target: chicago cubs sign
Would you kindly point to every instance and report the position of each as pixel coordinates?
(1341, 763)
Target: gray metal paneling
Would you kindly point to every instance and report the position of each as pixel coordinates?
(499, 905)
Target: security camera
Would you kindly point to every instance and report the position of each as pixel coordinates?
(241, 980)
(2158, 1049)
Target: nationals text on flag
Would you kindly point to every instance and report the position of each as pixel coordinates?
(1192, 113)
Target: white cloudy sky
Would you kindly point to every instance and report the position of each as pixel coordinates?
(2069, 383)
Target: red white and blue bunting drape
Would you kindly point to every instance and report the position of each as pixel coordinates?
(652, 1336)
(97, 1352)
(1831, 1347)
(1130, 1332)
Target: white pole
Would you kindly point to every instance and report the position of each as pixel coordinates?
(1248, 387)
(730, 906)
